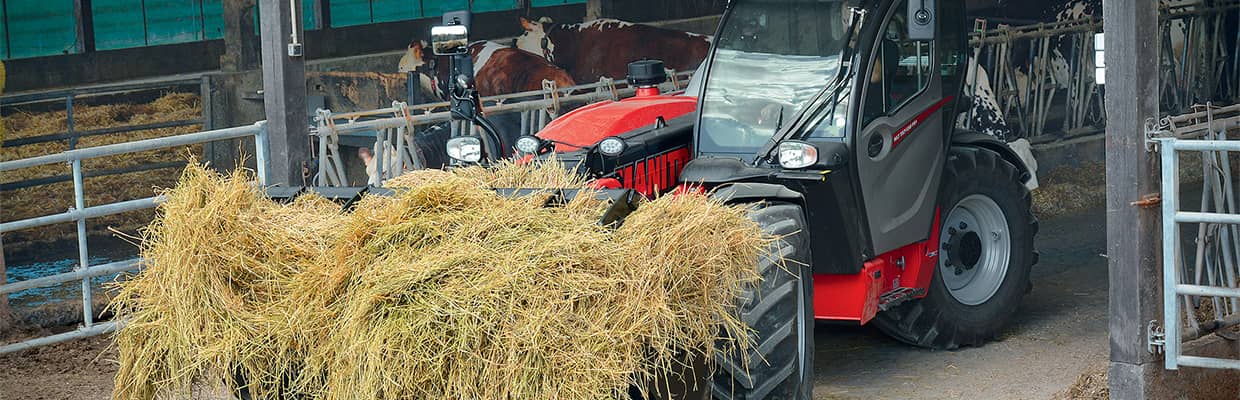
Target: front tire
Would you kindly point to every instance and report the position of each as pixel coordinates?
(985, 255)
(779, 310)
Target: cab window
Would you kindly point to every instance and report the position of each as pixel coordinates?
(901, 68)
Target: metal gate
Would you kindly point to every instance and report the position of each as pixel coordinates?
(1206, 283)
(81, 213)
(395, 127)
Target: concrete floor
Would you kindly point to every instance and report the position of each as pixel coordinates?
(1060, 330)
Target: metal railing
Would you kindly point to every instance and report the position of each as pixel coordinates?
(1212, 275)
(1052, 95)
(394, 128)
(72, 134)
(80, 213)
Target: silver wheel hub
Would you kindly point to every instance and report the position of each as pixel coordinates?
(974, 249)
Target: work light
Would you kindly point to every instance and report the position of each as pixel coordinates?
(611, 146)
(529, 144)
(465, 148)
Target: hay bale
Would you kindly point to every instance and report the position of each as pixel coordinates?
(219, 255)
(446, 290)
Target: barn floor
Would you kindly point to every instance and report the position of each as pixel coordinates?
(1060, 332)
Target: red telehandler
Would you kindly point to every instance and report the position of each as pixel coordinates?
(835, 121)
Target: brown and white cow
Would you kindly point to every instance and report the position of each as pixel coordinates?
(498, 69)
(604, 47)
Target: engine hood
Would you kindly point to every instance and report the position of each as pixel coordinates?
(588, 125)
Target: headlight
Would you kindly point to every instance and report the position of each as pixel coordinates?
(612, 146)
(795, 155)
(529, 144)
(465, 148)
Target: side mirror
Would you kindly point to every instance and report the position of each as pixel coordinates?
(921, 19)
(450, 40)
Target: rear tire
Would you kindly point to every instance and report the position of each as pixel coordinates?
(779, 310)
(983, 189)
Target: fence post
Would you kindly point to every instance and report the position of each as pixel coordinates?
(1133, 233)
(6, 315)
(205, 98)
(1170, 249)
(284, 92)
(73, 139)
(79, 200)
(261, 154)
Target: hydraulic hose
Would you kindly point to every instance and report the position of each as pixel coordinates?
(495, 140)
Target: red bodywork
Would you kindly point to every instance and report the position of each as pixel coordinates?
(856, 297)
(839, 297)
(588, 125)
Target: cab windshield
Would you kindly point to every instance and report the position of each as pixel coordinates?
(772, 57)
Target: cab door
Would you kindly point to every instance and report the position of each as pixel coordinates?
(899, 145)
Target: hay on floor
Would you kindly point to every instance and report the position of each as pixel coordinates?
(1091, 385)
(446, 290)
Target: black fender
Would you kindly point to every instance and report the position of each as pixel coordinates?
(838, 240)
(988, 142)
(743, 192)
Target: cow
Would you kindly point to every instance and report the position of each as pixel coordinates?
(986, 115)
(498, 69)
(604, 47)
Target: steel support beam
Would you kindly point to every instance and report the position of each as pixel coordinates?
(1131, 171)
(284, 92)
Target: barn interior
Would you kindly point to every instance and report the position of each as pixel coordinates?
(1082, 90)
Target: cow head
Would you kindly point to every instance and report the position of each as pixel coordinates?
(416, 59)
(1060, 70)
(535, 39)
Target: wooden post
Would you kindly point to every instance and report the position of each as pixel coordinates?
(596, 9)
(284, 92)
(1133, 233)
(85, 16)
(324, 13)
(240, 42)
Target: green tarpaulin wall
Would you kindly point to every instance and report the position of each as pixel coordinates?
(33, 28)
(39, 28)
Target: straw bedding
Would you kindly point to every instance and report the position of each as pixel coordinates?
(446, 290)
(58, 197)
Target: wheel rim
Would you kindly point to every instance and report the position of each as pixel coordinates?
(974, 250)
